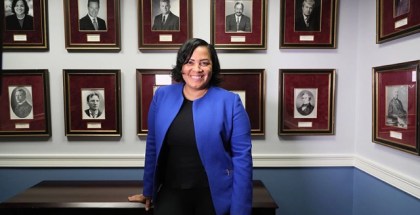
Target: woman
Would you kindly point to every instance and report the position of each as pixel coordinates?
(20, 20)
(198, 150)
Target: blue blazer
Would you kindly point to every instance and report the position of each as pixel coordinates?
(223, 135)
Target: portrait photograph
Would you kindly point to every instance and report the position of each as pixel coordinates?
(92, 25)
(25, 25)
(165, 15)
(239, 24)
(306, 24)
(307, 15)
(25, 103)
(21, 105)
(305, 103)
(395, 106)
(238, 16)
(92, 15)
(93, 103)
(164, 24)
(396, 19)
(19, 15)
(401, 7)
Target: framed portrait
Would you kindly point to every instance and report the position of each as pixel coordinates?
(25, 25)
(395, 106)
(396, 18)
(25, 103)
(308, 24)
(92, 25)
(249, 84)
(92, 102)
(164, 24)
(307, 102)
(239, 24)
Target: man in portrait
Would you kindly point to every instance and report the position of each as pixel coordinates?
(20, 106)
(306, 107)
(307, 15)
(166, 20)
(91, 21)
(93, 100)
(238, 22)
(401, 7)
(397, 115)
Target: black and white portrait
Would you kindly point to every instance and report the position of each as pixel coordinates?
(92, 15)
(165, 15)
(19, 15)
(396, 105)
(305, 102)
(307, 15)
(238, 16)
(401, 7)
(93, 103)
(21, 105)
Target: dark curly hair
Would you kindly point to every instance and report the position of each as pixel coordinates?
(184, 55)
(25, 4)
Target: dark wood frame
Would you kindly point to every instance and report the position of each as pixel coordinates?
(390, 26)
(254, 40)
(29, 40)
(163, 39)
(320, 121)
(252, 81)
(74, 82)
(87, 40)
(324, 38)
(40, 125)
(404, 134)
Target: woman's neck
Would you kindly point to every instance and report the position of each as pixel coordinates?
(192, 95)
(20, 16)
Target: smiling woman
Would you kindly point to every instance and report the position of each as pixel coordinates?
(198, 149)
(197, 74)
(20, 19)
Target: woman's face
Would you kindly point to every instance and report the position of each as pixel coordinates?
(198, 70)
(19, 8)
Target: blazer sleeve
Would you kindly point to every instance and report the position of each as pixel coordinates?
(150, 160)
(242, 160)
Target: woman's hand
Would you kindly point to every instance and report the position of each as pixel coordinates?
(142, 199)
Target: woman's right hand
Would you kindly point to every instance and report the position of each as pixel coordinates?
(142, 199)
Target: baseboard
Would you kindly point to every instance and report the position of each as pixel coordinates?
(390, 176)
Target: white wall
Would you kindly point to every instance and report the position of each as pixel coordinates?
(371, 55)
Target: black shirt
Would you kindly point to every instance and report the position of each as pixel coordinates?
(181, 166)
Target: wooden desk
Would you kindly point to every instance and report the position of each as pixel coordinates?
(100, 197)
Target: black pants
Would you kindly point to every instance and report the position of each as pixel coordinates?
(196, 201)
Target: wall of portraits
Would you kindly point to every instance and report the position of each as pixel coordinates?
(353, 59)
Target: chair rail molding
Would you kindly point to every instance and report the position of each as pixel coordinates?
(390, 176)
